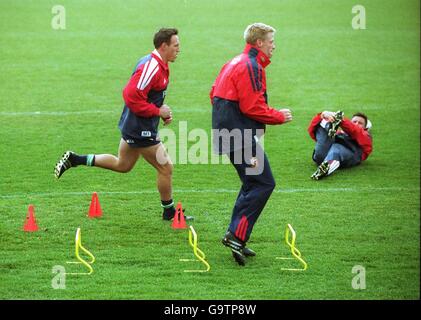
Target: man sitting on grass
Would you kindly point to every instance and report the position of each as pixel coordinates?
(339, 148)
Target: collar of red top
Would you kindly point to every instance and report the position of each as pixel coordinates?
(158, 57)
(261, 58)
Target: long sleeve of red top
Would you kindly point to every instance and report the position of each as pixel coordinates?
(313, 124)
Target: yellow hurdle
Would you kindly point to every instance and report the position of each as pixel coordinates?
(197, 252)
(78, 245)
(294, 251)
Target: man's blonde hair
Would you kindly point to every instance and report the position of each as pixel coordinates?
(257, 31)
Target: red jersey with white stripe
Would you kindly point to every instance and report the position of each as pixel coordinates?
(145, 91)
(143, 95)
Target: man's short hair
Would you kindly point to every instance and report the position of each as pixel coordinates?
(362, 115)
(164, 35)
(257, 31)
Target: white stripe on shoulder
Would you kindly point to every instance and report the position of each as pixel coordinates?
(147, 81)
(143, 73)
(147, 74)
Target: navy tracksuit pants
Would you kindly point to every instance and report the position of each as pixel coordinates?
(254, 193)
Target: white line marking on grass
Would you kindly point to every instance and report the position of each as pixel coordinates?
(56, 113)
(208, 191)
(71, 113)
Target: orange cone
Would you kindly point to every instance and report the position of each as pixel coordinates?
(95, 208)
(30, 222)
(179, 221)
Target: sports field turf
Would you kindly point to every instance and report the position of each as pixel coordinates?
(61, 89)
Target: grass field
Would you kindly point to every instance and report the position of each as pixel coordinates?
(61, 89)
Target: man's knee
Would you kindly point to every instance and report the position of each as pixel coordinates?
(319, 154)
(124, 165)
(271, 185)
(268, 185)
(266, 180)
(318, 157)
(124, 168)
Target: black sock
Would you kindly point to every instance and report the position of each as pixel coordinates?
(86, 160)
(168, 205)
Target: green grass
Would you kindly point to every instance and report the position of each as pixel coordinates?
(368, 215)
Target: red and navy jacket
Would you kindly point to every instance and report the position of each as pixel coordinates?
(351, 136)
(143, 96)
(239, 97)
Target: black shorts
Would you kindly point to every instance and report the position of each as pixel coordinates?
(140, 143)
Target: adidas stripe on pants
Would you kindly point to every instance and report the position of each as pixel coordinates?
(254, 193)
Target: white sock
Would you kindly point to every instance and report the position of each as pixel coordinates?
(333, 165)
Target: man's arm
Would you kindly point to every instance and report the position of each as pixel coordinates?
(326, 115)
(313, 124)
(361, 136)
(135, 94)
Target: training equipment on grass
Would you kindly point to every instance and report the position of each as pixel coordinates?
(95, 208)
(30, 221)
(78, 245)
(295, 252)
(179, 221)
(197, 252)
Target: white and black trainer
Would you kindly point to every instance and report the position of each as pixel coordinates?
(326, 168)
(63, 164)
(236, 246)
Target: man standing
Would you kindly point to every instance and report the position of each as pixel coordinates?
(339, 148)
(144, 106)
(239, 115)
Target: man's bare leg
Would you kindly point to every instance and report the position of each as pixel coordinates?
(157, 156)
(127, 158)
